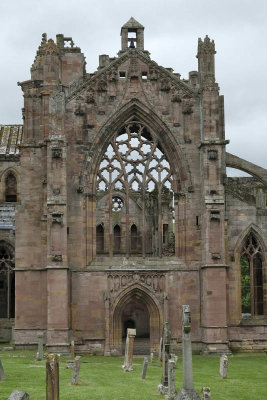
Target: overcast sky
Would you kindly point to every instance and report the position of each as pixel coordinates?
(172, 29)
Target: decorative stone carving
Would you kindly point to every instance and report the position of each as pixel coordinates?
(120, 280)
(57, 258)
(213, 154)
(153, 74)
(165, 85)
(205, 393)
(57, 218)
(57, 153)
(102, 85)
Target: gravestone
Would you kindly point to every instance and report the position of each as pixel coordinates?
(151, 357)
(19, 395)
(76, 370)
(166, 342)
(205, 393)
(128, 359)
(187, 392)
(160, 349)
(2, 374)
(171, 380)
(174, 358)
(72, 349)
(144, 369)
(223, 366)
(40, 352)
(52, 377)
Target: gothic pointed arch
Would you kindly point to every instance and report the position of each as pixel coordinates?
(251, 254)
(139, 295)
(7, 280)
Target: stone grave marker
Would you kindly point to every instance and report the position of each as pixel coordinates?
(76, 370)
(128, 359)
(223, 366)
(174, 357)
(151, 357)
(187, 392)
(40, 352)
(144, 369)
(205, 393)
(52, 377)
(171, 380)
(2, 374)
(72, 349)
(160, 349)
(19, 395)
(166, 342)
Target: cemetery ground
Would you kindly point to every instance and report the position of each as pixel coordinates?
(103, 378)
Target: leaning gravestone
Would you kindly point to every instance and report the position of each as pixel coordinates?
(223, 366)
(2, 374)
(19, 395)
(171, 380)
(144, 369)
(128, 359)
(40, 352)
(166, 342)
(76, 370)
(205, 393)
(187, 392)
(52, 377)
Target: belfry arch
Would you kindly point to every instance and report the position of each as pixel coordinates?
(140, 296)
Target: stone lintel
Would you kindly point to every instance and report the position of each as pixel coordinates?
(215, 266)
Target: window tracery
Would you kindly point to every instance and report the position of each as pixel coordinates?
(7, 281)
(252, 276)
(136, 177)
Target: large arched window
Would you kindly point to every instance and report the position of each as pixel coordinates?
(11, 188)
(7, 281)
(135, 181)
(252, 276)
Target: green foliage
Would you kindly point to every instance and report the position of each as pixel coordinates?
(245, 285)
(102, 377)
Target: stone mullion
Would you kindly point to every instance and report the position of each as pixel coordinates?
(127, 223)
(252, 291)
(110, 225)
(8, 291)
(159, 222)
(143, 223)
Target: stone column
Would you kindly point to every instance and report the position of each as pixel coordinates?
(128, 360)
(52, 377)
(72, 351)
(166, 339)
(144, 368)
(76, 370)
(187, 391)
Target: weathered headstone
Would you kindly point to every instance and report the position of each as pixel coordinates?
(174, 358)
(223, 366)
(166, 342)
(151, 357)
(144, 369)
(160, 349)
(72, 349)
(205, 393)
(70, 364)
(171, 380)
(2, 374)
(40, 352)
(19, 395)
(76, 370)
(52, 377)
(128, 359)
(187, 392)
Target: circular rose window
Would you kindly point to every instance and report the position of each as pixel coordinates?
(117, 203)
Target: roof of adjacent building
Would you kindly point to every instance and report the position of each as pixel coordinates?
(10, 139)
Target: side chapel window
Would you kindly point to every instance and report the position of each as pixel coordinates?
(136, 180)
(11, 188)
(7, 281)
(252, 277)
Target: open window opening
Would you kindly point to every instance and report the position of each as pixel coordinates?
(11, 188)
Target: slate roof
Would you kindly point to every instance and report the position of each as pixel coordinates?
(10, 139)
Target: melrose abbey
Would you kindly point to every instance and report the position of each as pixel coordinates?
(116, 208)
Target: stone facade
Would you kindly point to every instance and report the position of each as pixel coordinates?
(124, 211)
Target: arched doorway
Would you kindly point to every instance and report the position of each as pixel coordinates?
(136, 308)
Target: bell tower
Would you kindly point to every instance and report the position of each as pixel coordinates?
(132, 35)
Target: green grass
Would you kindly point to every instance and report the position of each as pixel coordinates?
(103, 378)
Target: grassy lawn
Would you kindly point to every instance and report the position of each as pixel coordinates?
(103, 378)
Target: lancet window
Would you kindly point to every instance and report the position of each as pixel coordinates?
(135, 183)
(252, 276)
(7, 281)
(11, 188)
